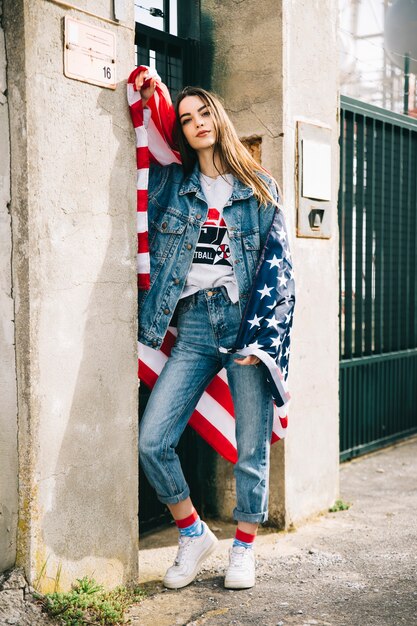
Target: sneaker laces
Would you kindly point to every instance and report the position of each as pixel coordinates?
(183, 545)
(237, 555)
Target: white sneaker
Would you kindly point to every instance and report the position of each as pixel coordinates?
(241, 571)
(192, 551)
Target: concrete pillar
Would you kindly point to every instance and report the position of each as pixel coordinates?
(311, 93)
(8, 408)
(274, 63)
(74, 281)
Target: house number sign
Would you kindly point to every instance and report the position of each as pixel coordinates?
(89, 53)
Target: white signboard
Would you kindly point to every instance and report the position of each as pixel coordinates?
(317, 170)
(90, 54)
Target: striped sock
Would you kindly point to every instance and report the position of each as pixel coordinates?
(245, 540)
(190, 526)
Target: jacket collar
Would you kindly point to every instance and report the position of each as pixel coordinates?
(191, 184)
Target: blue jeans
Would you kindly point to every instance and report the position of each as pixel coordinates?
(208, 320)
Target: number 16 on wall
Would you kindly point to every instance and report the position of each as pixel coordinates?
(89, 53)
(107, 73)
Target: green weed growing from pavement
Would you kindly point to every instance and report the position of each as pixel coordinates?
(38, 580)
(339, 505)
(88, 603)
(57, 578)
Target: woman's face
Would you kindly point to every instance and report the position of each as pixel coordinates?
(197, 123)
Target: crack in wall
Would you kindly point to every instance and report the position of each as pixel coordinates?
(10, 495)
(66, 471)
(269, 131)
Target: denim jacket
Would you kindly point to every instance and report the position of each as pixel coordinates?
(177, 209)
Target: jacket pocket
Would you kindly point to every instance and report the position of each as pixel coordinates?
(165, 231)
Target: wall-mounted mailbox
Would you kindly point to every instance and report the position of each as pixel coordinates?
(314, 180)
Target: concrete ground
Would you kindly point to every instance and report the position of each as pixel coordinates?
(350, 568)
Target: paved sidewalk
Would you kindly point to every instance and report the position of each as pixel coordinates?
(351, 568)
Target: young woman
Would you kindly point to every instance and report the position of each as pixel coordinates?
(208, 222)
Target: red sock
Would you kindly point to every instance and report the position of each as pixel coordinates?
(187, 521)
(245, 537)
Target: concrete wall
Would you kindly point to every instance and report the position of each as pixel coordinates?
(73, 209)
(273, 63)
(311, 88)
(8, 408)
(242, 53)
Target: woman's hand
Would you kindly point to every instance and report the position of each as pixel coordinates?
(248, 360)
(149, 90)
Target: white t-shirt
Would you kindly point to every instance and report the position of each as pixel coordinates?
(212, 263)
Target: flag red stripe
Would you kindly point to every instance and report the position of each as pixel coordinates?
(143, 242)
(146, 374)
(168, 343)
(213, 437)
(136, 112)
(144, 281)
(142, 156)
(142, 200)
(220, 391)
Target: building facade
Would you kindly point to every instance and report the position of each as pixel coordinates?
(69, 470)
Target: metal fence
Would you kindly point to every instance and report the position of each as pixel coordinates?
(175, 59)
(378, 277)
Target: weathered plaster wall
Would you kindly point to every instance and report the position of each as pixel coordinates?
(8, 408)
(242, 62)
(311, 92)
(273, 63)
(73, 211)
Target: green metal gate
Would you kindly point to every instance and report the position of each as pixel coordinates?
(378, 277)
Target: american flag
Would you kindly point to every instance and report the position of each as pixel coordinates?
(266, 325)
(160, 119)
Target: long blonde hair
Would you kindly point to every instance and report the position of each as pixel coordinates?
(235, 158)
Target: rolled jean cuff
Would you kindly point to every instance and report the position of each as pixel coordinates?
(252, 518)
(175, 499)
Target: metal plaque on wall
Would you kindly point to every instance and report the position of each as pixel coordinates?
(314, 196)
(89, 53)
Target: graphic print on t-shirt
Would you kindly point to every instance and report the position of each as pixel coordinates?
(213, 243)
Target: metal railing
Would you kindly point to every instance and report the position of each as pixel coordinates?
(176, 59)
(378, 277)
